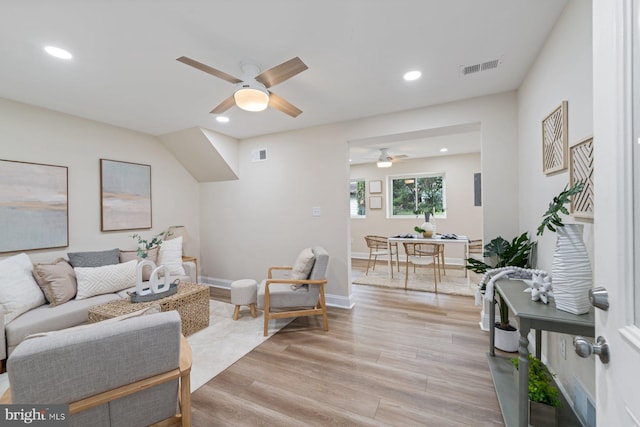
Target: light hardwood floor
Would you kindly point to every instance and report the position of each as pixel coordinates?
(399, 358)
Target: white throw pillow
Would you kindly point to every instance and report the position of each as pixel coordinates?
(303, 265)
(170, 256)
(107, 279)
(19, 291)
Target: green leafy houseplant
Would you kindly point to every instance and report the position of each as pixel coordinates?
(503, 254)
(551, 218)
(541, 388)
(144, 245)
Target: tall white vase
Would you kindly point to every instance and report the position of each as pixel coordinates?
(571, 271)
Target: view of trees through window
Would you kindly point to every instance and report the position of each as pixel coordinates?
(357, 197)
(413, 195)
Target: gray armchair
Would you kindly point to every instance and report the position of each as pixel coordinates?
(284, 297)
(132, 372)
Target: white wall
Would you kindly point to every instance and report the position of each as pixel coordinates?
(37, 135)
(562, 71)
(462, 217)
(265, 219)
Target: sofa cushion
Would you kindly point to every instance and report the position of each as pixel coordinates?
(95, 258)
(105, 279)
(170, 256)
(19, 291)
(57, 280)
(46, 318)
(152, 255)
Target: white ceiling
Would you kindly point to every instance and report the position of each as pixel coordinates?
(124, 71)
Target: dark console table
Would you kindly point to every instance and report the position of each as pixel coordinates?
(540, 317)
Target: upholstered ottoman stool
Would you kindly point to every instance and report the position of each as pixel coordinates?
(244, 292)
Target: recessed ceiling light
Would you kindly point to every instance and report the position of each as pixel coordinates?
(444, 150)
(57, 52)
(222, 119)
(412, 75)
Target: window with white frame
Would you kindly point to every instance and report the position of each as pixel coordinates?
(416, 194)
(357, 198)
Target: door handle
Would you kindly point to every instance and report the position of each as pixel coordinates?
(585, 349)
(599, 298)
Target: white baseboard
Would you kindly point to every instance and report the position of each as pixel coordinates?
(338, 301)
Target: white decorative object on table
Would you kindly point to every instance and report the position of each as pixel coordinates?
(539, 287)
(571, 272)
(156, 283)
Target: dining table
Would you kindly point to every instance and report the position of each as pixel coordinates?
(438, 238)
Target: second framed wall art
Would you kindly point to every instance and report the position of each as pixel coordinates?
(125, 195)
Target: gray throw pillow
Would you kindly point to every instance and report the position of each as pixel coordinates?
(94, 259)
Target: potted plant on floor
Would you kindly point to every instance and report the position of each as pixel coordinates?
(504, 254)
(544, 397)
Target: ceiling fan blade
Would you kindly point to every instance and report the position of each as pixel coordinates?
(281, 104)
(224, 105)
(282, 72)
(210, 70)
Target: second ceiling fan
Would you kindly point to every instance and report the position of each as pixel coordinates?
(252, 92)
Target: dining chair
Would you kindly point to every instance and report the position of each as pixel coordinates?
(423, 254)
(379, 245)
(475, 247)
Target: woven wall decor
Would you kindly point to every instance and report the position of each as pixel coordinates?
(581, 170)
(554, 140)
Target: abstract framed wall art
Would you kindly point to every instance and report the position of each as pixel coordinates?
(125, 195)
(581, 170)
(34, 207)
(554, 140)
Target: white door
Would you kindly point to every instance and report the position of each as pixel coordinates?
(617, 207)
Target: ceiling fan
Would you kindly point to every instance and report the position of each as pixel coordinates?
(252, 92)
(385, 160)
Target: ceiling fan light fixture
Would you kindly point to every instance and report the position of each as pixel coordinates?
(412, 75)
(384, 163)
(251, 98)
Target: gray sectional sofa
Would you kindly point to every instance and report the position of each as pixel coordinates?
(72, 312)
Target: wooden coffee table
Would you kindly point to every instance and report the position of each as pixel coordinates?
(191, 302)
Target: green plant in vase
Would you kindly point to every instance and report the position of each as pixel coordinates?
(145, 245)
(551, 218)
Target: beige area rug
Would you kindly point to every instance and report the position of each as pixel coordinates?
(220, 345)
(453, 283)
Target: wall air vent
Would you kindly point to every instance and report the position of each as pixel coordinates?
(476, 68)
(259, 155)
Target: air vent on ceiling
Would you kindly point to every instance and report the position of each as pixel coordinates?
(475, 68)
(259, 155)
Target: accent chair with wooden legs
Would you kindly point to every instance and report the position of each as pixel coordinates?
(300, 294)
(422, 255)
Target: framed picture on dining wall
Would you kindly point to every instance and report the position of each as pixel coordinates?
(33, 206)
(125, 195)
(581, 170)
(375, 202)
(375, 187)
(555, 140)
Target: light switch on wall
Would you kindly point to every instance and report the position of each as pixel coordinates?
(315, 211)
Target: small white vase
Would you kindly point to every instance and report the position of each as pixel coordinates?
(571, 275)
(428, 229)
